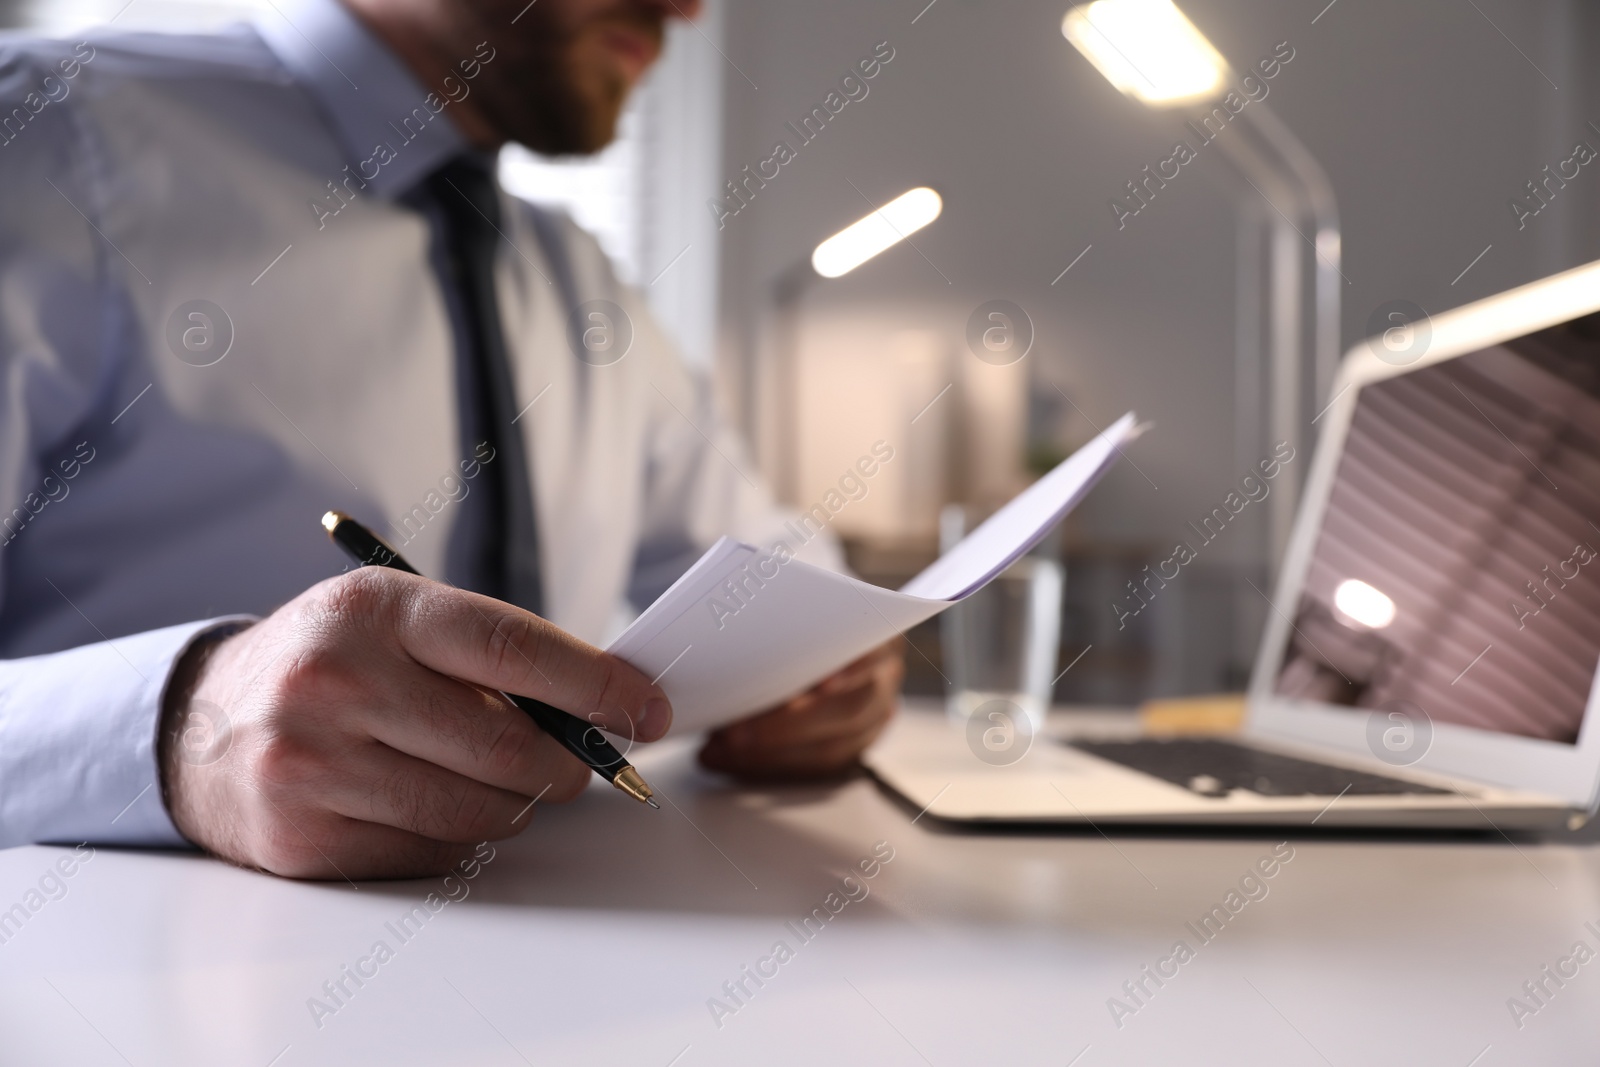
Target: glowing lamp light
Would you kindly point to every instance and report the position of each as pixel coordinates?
(884, 228)
(1363, 604)
(1148, 49)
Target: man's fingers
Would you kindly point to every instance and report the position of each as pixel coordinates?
(393, 789)
(500, 646)
(471, 732)
(805, 761)
(355, 849)
(814, 719)
(806, 722)
(858, 671)
(821, 715)
(820, 733)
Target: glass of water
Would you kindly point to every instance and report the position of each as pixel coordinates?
(1000, 643)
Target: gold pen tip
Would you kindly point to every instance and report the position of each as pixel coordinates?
(629, 781)
(330, 519)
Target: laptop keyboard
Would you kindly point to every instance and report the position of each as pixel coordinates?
(1215, 768)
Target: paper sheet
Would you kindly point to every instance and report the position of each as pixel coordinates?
(742, 629)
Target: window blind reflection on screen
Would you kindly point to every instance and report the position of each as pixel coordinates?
(1458, 563)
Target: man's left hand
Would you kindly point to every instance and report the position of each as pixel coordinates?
(820, 733)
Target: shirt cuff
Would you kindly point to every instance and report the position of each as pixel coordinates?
(78, 740)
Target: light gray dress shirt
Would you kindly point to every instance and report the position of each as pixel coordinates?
(218, 319)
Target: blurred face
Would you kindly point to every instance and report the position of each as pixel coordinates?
(564, 68)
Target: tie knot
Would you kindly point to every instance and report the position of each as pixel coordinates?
(466, 191)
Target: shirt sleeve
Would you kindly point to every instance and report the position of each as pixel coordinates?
(78, 740)
(77, 727)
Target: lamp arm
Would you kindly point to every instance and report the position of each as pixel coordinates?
(786, 289)
(1324, 211)
(1296, 191)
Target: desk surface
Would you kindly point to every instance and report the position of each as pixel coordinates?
(965, 948)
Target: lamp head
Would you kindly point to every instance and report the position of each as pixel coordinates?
(881, 230)
(1148, 49)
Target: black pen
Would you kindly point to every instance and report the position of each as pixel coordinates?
(580, 738)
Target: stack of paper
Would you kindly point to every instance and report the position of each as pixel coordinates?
(744, 629)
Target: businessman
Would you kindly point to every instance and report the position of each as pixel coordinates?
(250, 276)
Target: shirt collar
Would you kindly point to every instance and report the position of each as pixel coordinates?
(385, 120)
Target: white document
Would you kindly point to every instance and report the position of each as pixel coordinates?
(742, 630)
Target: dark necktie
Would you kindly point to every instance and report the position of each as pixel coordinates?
(507, 563)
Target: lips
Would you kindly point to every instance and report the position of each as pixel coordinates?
(637, 49)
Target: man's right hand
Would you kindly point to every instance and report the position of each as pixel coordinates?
(355, 732)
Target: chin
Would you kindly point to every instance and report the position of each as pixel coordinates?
(594, 123)
(573, 110)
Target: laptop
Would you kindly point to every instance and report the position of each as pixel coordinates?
(1430, 654)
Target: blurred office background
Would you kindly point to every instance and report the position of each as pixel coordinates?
(1428, 117)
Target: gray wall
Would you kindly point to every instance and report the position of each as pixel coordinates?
(1426, 117)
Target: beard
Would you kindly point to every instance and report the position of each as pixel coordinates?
(553, 88)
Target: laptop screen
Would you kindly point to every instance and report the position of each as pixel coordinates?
(1457, 567)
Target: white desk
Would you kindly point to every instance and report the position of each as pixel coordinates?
(600, 934)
